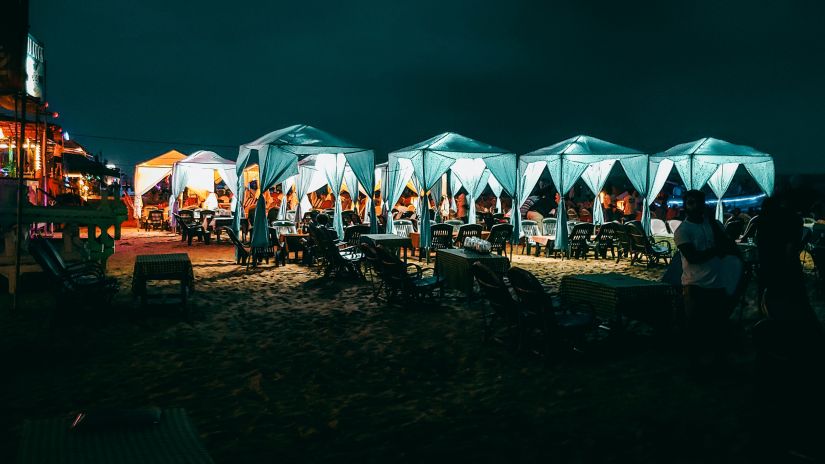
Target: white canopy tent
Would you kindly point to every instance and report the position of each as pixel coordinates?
(714, 162)
(150, 172)
(471, 161)
(581, 156)
(198, 170)
(279, 154)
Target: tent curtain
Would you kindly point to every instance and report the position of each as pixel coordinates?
(333, 167)
(496, 187)
(564, 173)
(595, 177)
(179, 179)
(471, 173)
(398, 173)
(719, 183)
(362, 165)
(145, 179)
(455, 186)
(529, 174)
(435, 194)
(274, 166)
(763, 174)
(659, 170)
(302, 187)
(285, 186)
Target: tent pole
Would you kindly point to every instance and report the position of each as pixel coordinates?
(21, 164)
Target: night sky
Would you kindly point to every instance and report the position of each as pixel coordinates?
(386, 74)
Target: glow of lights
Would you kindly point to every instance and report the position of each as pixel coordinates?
(111, 166)
(2, 135)
(65, 135)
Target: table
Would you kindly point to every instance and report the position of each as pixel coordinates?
(618, 297)
(170, 266)
(453, 265)
(173, 439)
(415, 237)
(220, 221)
(292, 243)
(390, 241)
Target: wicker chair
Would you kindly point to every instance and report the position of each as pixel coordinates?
(467, 230)
(352, 234)
(503, 308)
(561, 329)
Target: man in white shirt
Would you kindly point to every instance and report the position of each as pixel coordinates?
(709, 276)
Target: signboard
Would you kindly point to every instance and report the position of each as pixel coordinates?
(12, 44)
(35, 68)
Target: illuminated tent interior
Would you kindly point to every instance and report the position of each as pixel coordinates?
(199, 171)
(714, 162)
(470, 161)
(150, 172)
(303, 153)
(581, 156)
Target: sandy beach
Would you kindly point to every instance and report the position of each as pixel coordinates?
(279, 364)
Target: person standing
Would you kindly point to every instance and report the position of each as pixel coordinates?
(707, 278)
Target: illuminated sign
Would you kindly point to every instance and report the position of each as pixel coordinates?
(35, 68)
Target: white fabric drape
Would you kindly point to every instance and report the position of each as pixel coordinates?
(595, 177)
(471, 173)
(145, 179)
(455, 186)
(719, 183)
(396, 181)
(333, 167)
(285, 186)
(496, 187)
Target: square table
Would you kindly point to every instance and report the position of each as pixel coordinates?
(173, 439)
(219, 221)
(170, 266)
(453, 265)
(618, 297)
(389, 241)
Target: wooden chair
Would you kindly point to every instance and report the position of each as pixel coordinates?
(467, 230)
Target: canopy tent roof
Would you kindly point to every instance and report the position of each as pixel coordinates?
(469, 160)
(279, 155)
(714, 162)
(152, 171)
(582, 148)
(198, 171)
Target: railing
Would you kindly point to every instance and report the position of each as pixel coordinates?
(102, 222)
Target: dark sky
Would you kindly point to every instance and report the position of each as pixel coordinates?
(386, 74)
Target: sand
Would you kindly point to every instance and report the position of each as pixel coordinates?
(279, 364)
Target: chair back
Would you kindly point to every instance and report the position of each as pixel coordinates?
(734, 228)
(572, 214)
(636, 236)
(579, 237)
(272, 214)
(39, 251)
(808, 221)
(233, 237)
(284, 227)
(499, 235)
(156, 216)
(441, 236)
(346, 216)
(673, 224)
(468, 230)
(493, 287)
(187, 216)
(658, 227)
(290, 215)
(529, 228)
(402, 227)
(585, 216)
(455, 223)
(352, 234)
(548, 226)
(751, 230)
(207, 214)
(528, 289)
